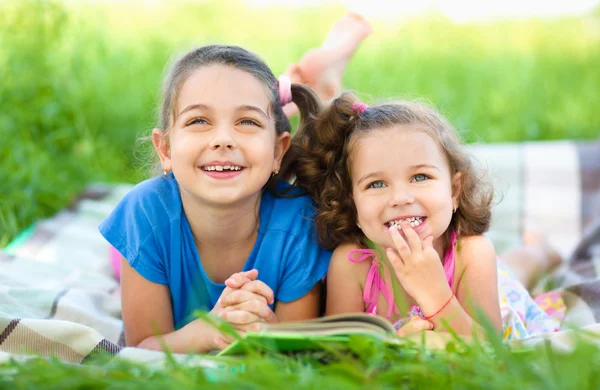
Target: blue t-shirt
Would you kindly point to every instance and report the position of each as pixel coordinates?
(150, 229)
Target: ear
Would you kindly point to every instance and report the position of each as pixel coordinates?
(162, 147)
(282, 144)
(457, 185)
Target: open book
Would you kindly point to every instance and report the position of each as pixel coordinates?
(314, 334)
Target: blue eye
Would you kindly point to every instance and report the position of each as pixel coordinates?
(376, 184)
(419, 178)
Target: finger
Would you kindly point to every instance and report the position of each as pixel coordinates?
(240, 278)
(237, 281)
(253, 327)
(259, 287)
(394, 259)
(428, 242)
(221, 343)
(255, 307)
(412, 238)
(414, 325)
(240, 317)
(401, 245)
(239, 296)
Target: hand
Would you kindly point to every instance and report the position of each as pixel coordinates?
(249, 304)
(245, 305)
(414, 325)
(234, 282)
(419, 268)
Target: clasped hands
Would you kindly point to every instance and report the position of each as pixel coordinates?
(244, 303)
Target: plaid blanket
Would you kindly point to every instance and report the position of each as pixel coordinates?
(58, 296)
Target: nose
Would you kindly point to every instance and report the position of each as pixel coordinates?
(223, 138)
(400, 196)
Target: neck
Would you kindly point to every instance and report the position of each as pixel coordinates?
(441, 245)
(222, 227)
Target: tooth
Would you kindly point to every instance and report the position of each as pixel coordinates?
(219, 168)
(226, 167)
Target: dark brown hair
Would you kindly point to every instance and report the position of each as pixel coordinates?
(236, 57)
(322, 149)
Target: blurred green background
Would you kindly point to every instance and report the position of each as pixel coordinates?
(79, 82)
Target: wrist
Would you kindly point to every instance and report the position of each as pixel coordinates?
(200, 336)
(433, 303)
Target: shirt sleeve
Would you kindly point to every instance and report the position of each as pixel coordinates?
(306, 265)
(129, 230)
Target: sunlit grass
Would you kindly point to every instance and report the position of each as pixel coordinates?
(368, 364)
(79, 83)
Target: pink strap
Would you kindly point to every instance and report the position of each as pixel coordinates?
(375, 283)
(449, 257)
(285, 90)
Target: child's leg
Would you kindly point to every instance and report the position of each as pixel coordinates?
(532, 260)
(323, 68)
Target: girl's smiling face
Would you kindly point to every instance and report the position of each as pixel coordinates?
(400, 174)
(222, 147)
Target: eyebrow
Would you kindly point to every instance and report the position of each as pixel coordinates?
(191, 107)
(258, 110)
(244, 107)
(420, 166)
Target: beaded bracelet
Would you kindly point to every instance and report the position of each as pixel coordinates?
(442, 308)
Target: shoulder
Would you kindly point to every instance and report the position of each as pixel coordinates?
(341, 264)
(154, 198)
(150, 204)
(476, 250)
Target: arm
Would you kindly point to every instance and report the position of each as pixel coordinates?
(304, 308)
(477, 288)
(419, 270)
(476, 291)
(344, 281)
(148, 317)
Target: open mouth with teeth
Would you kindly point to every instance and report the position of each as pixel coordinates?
(222, 168)
(413, 221)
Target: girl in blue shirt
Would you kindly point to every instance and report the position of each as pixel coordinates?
(216, 214)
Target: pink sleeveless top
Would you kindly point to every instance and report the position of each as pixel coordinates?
(375, 284)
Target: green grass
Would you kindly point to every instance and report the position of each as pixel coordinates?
(80, 82)
(368, 365)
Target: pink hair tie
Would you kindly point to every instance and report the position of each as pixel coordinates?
(285, 90)
(359, 107)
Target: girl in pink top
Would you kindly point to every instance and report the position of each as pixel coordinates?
(405, 208)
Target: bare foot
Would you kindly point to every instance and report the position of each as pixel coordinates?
(533, 260)
(323, 68)
(537, 239)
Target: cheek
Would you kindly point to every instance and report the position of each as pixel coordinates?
(261, 150)
(366, 210)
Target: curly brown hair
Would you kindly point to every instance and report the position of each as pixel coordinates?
(322, 149)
